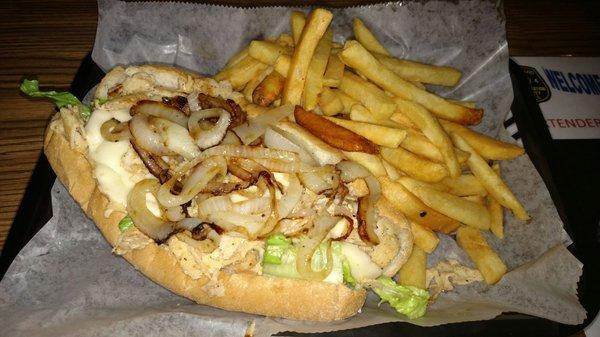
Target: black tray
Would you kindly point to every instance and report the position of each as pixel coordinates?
(567, 167)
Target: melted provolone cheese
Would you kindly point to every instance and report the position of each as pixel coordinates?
(117, 167)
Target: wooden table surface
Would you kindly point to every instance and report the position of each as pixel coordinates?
(48, 39)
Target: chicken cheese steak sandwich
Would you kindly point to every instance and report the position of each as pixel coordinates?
(268, 228)
(298, 178)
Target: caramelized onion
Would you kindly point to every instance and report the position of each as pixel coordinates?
(322, 225)
(321, 180)
(175, 137)
(350, 171)
(246, 151)
(213, 136)
(291, 197)
(256, 127)
(146, 138)
(367, 212)
(193, 184)
(342, 229)
(276, 165)
(274, 140)
(231, 139)
(114, 131)
(161, 110)
(148, 223)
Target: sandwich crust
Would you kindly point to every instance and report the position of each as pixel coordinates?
(246, 292)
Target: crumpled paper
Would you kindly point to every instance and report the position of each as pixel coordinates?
(67, 282)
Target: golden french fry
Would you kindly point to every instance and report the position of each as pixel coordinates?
(356, 56)
(477, 199)
(316, 69)
(366, 38)
(330, 103)
(496, 211)
(487, 261)
(373, 98)
(380, 135)
(490, 180)
(414, 208)
(487, 147)
(242, 72)
(371, 162)
(297, 22)
(466, 184)
(267, 52)
(401, 119)
(347, 101)
(424, 237)
(237, 57)
(250, 86)
(391, 171)
(282, 65)
(468, 212)
(432, 129)
(468, 104)
(417, 143)
(334, 72)
(359, 113)
(413, 165)
(420, 72)
(418, 85)
(269, 90)
(315, 27)
(413, 271)
(285, 40)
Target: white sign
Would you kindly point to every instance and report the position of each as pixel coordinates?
(568, 92)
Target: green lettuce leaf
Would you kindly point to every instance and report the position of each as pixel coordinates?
(348, 278)
(61, 99)
(125, 223)
(408, 300)
(279, 259)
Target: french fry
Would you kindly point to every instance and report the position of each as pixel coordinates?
(333, 134)
(418, 85)
(315, 27)
(356, 56)
(466, 184)
(242, 72)
(420, 72)
(334, 72)
(285, 40)
(468, 104)
(371, 162)
(490, 180)
(330, 103)
(465, 211)
(401, 119)
(391, 171)
(359, 113)
(477, 199)
(316, 69)
(267, 52)
(321, 152)
(250, 86)
(366, 38)
(413, 271)
(487, 261)
(432, 129)
(269, 90)
(237, 57)
(373, 98)
(496, 211)
(347, 101)
(282, 65)
(417, 143)
(380, 135)
(487, 147)
(424, 237)
(413, 165)
(414, 208)
(297, 22)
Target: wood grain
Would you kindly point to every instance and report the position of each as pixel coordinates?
(48, 39)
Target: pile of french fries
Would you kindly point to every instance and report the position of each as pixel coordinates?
(431, 167)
